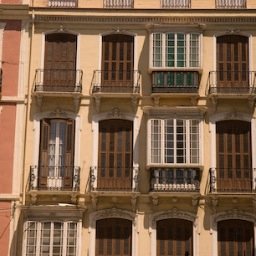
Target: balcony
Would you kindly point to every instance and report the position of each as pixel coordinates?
(175, 179)
(58, 81)
(120, 82)
(115, 179)
(62, 3)
(122, 4)
(54, 178)
(175, 4)
(230, 4)
(231, 180)
(232, 83)
(175, 82)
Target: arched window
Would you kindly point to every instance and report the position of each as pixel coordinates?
(174, 237)
(113, 237)
(235, 237)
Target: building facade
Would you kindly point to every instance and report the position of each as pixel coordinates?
(13, 81)
(135, 132)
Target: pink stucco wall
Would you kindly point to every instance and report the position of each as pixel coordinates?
(7, 131)
(5, 217)
(10, 57)
(10, 66)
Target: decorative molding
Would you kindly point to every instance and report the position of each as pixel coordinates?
(148, 21)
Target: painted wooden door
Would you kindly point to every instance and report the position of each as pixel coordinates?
(113, 237)
(115, 155)
(174, 237)
(234, 170)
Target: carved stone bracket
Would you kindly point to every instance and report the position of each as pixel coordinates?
(94, 200)
(155, 200)
(33, 197)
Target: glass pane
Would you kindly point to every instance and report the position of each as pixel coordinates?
(157, 50)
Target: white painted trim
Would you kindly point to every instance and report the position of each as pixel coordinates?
(174, 213)
(36, 128)
(95, 135)
(112, 213)
(229, 215)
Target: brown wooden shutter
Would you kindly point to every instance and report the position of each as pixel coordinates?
(235, 237)
(44, 153)
(117, 61)
(115, 155)
(60, 62)
(69, 154)
(232, 61)
(234, 161)
(113, 237)
(174, 237)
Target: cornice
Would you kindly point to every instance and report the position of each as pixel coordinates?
(153, 20)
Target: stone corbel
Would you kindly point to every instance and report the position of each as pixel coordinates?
(97, 103)
(155, 200)
(76, 103)
(73, 198)
(156, 100)
(195, 201)
(33, 197)
(134, 102)
(134, 202)
(94, 200)
(39, 101)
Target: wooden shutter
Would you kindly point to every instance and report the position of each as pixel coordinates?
(174, 237)
(115, 155)
(232, 61)
(60, 62)
(117, 61)
(235, 237)
(69, 154)
(234, 155)
(44, 153)
(113, 237)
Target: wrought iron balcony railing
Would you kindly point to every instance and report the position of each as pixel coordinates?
(118, 3)
(175, 179)
(114, 178)
(65, 178)
(230, 4)
(232, 82)
(175, 82)
(58, 80)
(63, 3)
(175, 4)
(231, 180)
(108, 81)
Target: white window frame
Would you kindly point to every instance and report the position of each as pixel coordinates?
(38, 228)
(163, 36)
(187, 161)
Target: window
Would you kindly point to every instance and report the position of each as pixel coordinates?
(176, 50)
(56, 157)
(50, 238)
(174, 237)
(235, 237)
(174, 141)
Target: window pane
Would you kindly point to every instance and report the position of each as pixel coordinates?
(194, 50)
(194, 141)
(181, 50)
(170, 50)
(156, 141)
(169, 141)
(157, 50)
